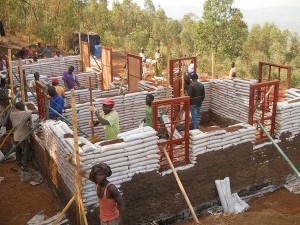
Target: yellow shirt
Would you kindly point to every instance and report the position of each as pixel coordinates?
(113, 129)
(60, 91)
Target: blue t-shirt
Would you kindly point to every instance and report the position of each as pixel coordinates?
(57, 103)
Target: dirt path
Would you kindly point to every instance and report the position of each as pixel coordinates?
(19, 201)
(278, 208)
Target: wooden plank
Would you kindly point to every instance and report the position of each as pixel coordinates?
(11, 80)
(22, 81)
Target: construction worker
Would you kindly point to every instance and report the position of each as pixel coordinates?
(58, 88)
(70, 79)
(232, 72)
(47, 52)
(109, 118)
(197, 94)
(20, 118)
(39, 50)
(108, 195)
(56, 102)
(32, 84)
(58, 56)
(149, 116)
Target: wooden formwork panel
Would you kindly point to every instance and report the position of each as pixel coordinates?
(134, 63)
(85, 55)
(106, 62)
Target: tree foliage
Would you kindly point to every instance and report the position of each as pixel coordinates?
(129, 27)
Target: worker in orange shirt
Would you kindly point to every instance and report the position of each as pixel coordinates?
(60, 90)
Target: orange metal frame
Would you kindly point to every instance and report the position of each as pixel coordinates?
(178, 148)
(279, 67)
(42, 100)
(263, 108)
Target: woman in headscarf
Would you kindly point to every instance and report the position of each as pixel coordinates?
(109, 196)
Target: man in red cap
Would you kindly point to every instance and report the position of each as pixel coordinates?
(58, 88)
(109, 118)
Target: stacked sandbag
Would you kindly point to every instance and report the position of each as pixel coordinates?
(49, 67)
(215, 138)
(288, 117)
(135, 152)
(292, 93)
(230, 98)
(206, 104)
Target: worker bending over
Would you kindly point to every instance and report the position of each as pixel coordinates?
(109, 118)
(108, 195)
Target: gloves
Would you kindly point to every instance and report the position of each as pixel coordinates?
(93, 109)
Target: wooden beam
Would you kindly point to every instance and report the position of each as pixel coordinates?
(22, 81)
(77, 161)
(11, 80)
(91, 104)
(181, 187)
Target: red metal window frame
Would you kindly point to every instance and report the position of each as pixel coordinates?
(259, 101)
(279, 67)
(42, 100)
(173, 142)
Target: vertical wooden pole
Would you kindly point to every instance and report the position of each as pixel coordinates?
(79, 36)
(182, 79)
(77, 161)
(22, 81)
(91, 104)
(181, 186)
(168, 73)
(11, 80)
(213, 64)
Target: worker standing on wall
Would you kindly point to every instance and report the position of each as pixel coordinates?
(70, 79)
(109, 118)
(108, 195)
(232, 72)
(197, 94)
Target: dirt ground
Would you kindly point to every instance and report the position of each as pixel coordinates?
(19, 201)
(278, 208)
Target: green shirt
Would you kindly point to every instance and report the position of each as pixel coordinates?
(149, 115)
(113, 129)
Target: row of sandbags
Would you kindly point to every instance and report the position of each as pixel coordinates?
(131, 108)
(135, 152)
(288, 117)
(206, 104)
(219, 138)
(292, 93)
(230, 98)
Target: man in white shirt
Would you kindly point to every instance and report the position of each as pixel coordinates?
(58, 56)
(232, 72)
(191, 69)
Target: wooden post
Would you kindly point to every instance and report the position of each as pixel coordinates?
(91, 104)
(22, 81)
(168, 73)
(58, 218)
(182, 79)
(213, 64)
(79, 43)
(77, 161)
(181, 187)
(11, 80)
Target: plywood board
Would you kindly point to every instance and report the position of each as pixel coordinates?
(134, 63)
(85, 55)
(106, 62)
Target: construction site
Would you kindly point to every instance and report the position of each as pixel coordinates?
(249, 132)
